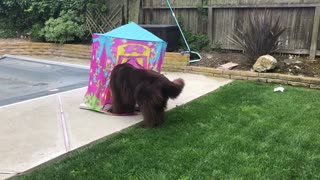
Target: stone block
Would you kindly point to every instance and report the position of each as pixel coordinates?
(269, 75)
(232, 72)
(293, 83)
(310, 80)
(290, 77)
(314, 86)
(258, 79)
(222, 76)
(249, 74)
(277, 81)
(238, 77)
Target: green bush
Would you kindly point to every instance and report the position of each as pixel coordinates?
(7, 33)
(14, 16)
(197, 41)
(5, 30)
(47, 20)
(68, 27)
(36, 33)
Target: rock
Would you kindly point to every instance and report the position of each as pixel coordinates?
(297, 67)
(209, 56)
(291, 56)
(265, 63)
(228, 66)
(291, 61)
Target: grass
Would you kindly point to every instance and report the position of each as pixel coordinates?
(242, 131)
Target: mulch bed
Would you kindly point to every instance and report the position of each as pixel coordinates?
(287, 64)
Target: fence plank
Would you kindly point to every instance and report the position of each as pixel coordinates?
(315, 32)
(210, 22)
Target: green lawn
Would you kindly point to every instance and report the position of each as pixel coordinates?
(243, 130)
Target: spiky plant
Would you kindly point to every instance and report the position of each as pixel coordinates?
(259, 34)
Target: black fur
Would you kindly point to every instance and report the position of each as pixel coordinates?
(147, 88)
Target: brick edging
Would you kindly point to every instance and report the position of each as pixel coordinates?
(79, 51)
(308, 82)
(27, 48)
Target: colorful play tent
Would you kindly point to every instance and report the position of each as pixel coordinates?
(128, 43)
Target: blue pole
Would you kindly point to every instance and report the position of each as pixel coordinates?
(174, 16)
(184, 38)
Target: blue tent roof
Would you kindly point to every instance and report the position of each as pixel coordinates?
(134, 32)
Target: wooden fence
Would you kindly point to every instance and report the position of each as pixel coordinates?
(219, 19)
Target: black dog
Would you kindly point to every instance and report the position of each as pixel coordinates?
(147, 88)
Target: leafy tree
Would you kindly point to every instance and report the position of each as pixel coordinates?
(68, 27)
(13, 15)
(51, 20)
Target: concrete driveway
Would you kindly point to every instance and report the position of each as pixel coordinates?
(37, 130)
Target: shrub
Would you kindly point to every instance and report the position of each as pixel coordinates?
(7, 33)
(25, 17)
(14, 16)
(68, 27)
(197, 41)
(259, 34)
(36, 33)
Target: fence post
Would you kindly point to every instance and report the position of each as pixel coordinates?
(210, 21)
(315, 32)
(134, 10)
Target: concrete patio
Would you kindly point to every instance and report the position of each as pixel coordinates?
(38, 130)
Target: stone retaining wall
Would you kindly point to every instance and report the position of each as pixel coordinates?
(45, 49)
(308, 82)
(172, 62)
(26, 48)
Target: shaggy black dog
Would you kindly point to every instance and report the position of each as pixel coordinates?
(147, 88)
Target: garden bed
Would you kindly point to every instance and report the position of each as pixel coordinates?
(297, 65)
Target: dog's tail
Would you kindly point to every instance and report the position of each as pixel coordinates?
(174, 88)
